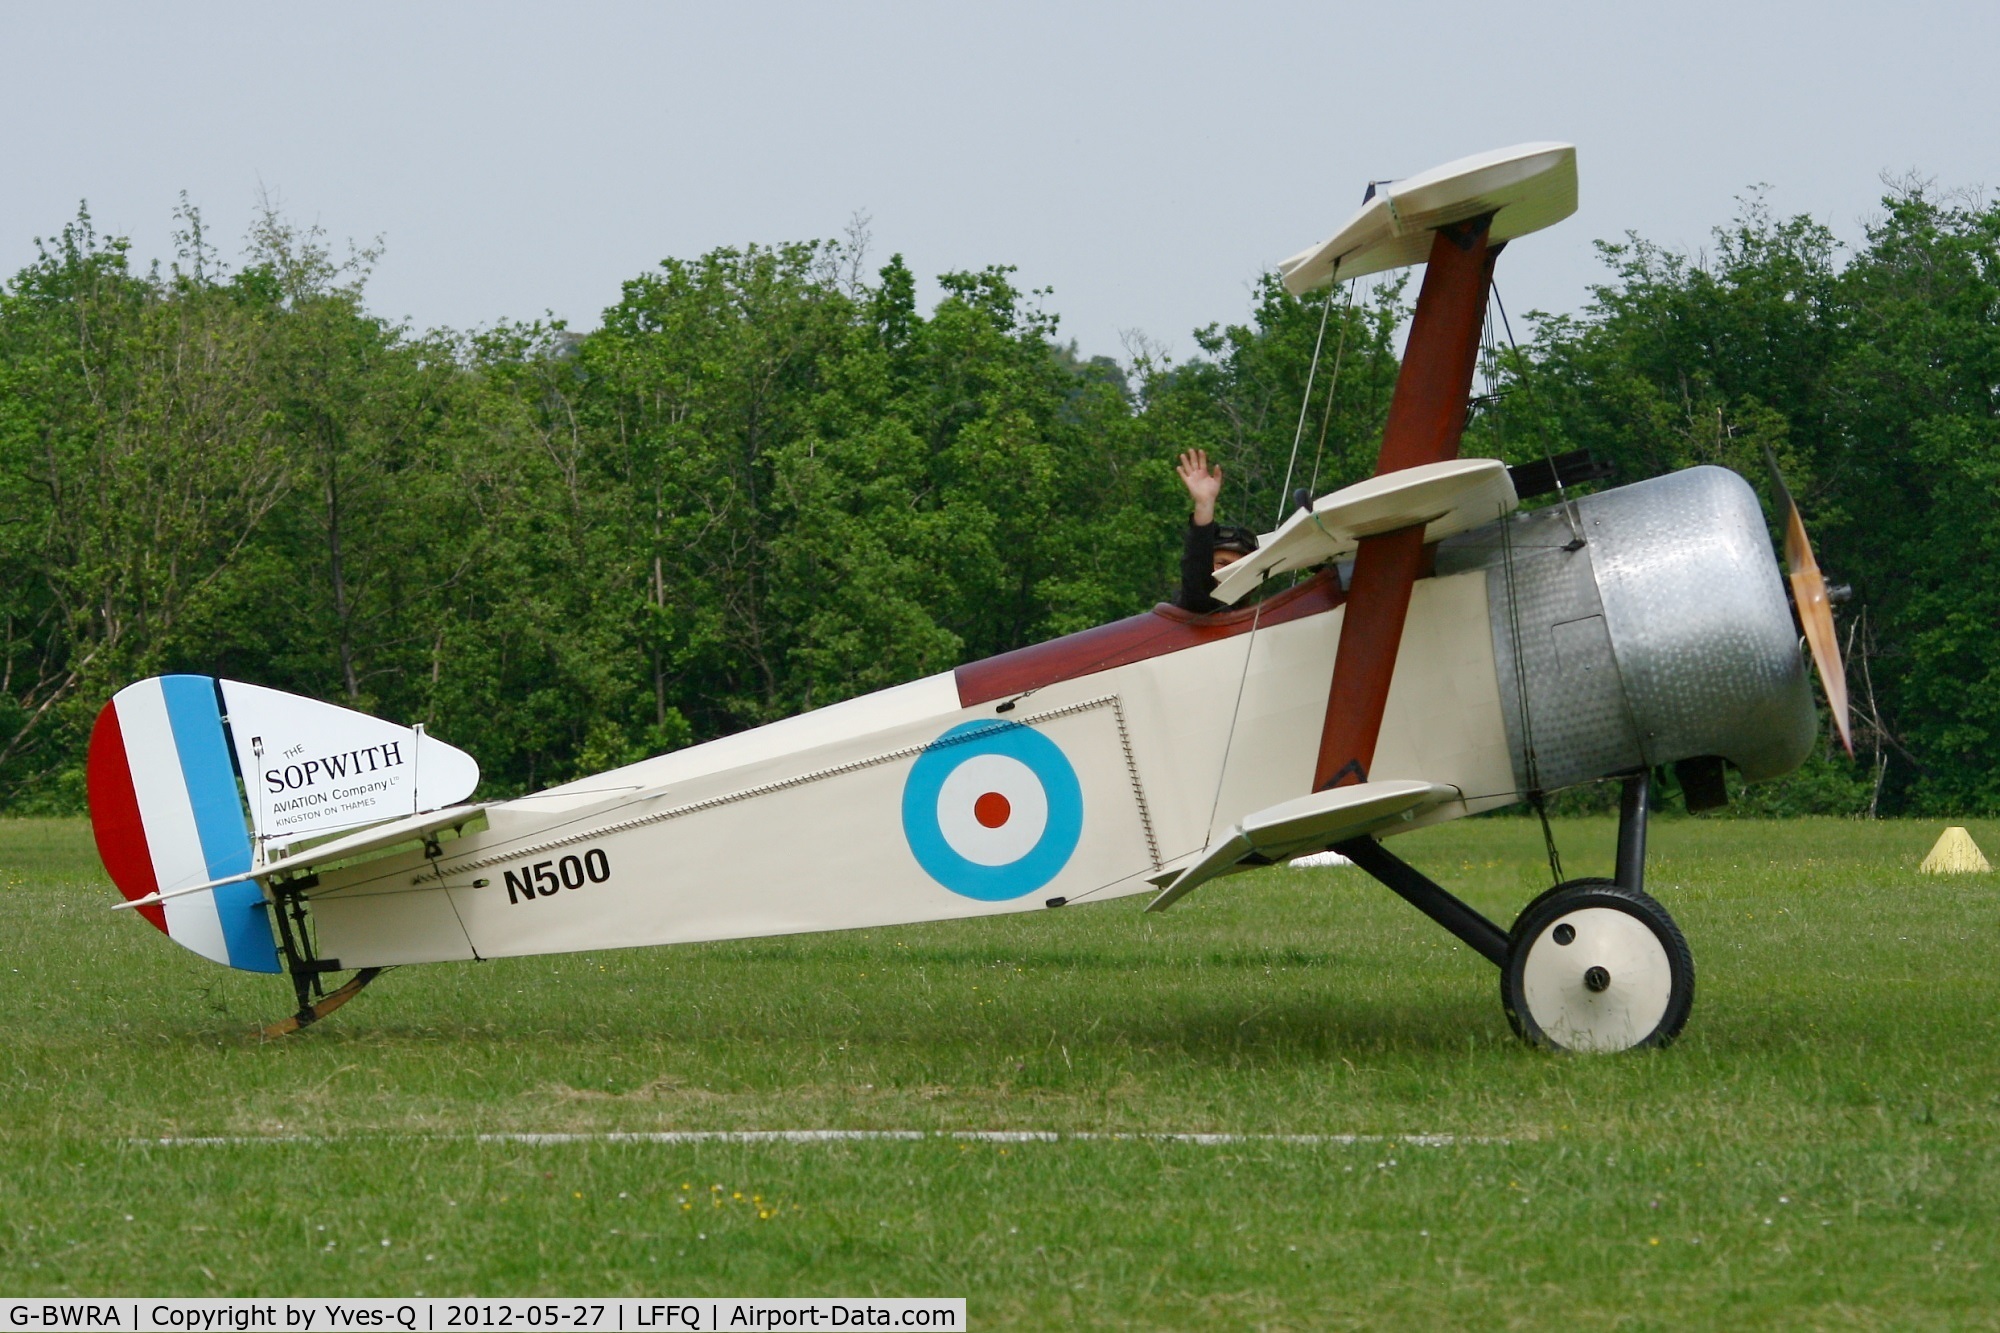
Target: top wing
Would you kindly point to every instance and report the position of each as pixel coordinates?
(1528, 187)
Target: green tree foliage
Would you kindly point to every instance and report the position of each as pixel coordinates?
(763, 485)
(1915, 486)
(770, 480)
(135, 477)
(1241, 399)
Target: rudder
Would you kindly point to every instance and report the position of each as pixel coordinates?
(166, 812)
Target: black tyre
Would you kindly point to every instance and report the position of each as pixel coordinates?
(1592, 966)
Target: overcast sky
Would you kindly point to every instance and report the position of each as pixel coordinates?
(1145, 161)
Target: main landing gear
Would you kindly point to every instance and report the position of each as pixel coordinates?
(1591, 965)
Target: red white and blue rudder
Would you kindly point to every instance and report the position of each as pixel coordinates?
(165, 808)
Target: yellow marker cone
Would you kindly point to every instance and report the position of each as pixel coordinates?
(1955, 854)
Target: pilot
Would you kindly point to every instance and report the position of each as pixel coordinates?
(1208, 547)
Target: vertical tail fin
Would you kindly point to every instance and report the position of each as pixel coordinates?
(169, 812)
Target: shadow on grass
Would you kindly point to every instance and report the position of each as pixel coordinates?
(1270, 1032)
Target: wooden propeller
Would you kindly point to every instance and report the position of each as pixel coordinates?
(1814, 608)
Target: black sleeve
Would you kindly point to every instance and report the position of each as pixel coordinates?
(1198, 570)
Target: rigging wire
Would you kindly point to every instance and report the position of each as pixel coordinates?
(1305, 402)
(1562, 491)
(1532, 765)
(1257, 612)
(1537, 798)
(1236, 709)
(1332, 385)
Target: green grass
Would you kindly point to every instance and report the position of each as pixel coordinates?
(1819, 1149)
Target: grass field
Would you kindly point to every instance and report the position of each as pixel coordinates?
(1821, 1149)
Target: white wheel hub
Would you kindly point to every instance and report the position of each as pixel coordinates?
(1597, 979)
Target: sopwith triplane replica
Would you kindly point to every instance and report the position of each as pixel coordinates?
(1420, 649)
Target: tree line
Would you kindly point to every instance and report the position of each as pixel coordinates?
(769, 479)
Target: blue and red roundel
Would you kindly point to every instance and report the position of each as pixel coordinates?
(992, 810)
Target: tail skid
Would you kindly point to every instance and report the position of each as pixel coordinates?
(311, 1012)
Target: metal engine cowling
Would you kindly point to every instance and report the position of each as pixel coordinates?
(1665, 635)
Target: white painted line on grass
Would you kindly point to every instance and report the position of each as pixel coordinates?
(973, 1136)
(752, 1136)
(230, 1140)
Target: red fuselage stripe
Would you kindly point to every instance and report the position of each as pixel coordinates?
(1155, 633)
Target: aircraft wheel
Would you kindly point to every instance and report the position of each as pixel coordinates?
(1592, 966)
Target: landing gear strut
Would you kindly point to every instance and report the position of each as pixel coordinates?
(1591, 965)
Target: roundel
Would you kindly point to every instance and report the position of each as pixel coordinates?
(992, 810)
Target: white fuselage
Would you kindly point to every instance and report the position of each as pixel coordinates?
(801, 825)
